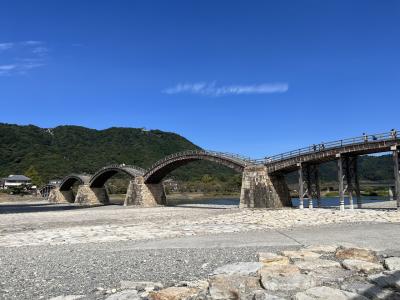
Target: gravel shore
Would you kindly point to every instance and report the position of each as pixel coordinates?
(53, 250)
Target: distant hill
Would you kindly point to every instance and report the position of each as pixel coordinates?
(59, 151)
(56, 152)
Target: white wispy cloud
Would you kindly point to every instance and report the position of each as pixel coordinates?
(6, 46)
(32, 43)
(211, 89)
(31, 55)
(21, 68)
(40, 50)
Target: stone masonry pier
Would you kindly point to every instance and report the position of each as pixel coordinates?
(144, 194)
(262, 190)
(87, 195)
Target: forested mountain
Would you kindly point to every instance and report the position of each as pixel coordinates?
(59, 151)
(55, 152)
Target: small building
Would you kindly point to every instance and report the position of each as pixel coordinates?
(55, 181)
(16, 180)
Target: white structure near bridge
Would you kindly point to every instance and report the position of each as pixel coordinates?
(15, 181)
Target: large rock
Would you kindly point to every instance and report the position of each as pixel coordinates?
(263, 295)
(329, 276)
(301, 254)
(268, 258)
(384, 280)
(309, 265)
(327, 293)
(285, 278)
(369, 290)
(362, 266)
(125, 295)
(241, 268)
(200, 284)
(392, 263)
(232, 287)
(322, 248)
(68, 297)
(356, 253)
(141, 285)
(174, 293)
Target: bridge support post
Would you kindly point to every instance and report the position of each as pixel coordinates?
(91, 196)
(301, 186)
(58, 196)
(396, 195)
(144, 194)
(357, 185)
(313, 186)
(341, 185)
(263, 190)
(350, 166)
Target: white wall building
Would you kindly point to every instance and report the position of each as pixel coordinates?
(15, 180)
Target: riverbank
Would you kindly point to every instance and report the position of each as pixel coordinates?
(50, 250)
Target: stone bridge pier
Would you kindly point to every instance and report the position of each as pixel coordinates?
(58, 196)
(87, 195)
(263, 190)
(144, 194)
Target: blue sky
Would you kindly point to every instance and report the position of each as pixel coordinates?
(251, 77)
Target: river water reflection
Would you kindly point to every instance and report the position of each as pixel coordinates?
(226, 201)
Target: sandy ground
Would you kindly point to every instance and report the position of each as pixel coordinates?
(40, 223)
(51, 250)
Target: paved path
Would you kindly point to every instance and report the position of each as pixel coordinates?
(378, 236)
(47, 251)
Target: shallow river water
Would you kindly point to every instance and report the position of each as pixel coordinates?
(325, 201)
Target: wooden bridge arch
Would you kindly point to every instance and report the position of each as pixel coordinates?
(171, 162)
(101, 176)
(68, 181)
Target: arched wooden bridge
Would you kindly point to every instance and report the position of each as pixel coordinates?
(263, 179)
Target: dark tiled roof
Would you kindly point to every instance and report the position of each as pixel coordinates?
(17, 177)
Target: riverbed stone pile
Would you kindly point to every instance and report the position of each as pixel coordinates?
(311, 273)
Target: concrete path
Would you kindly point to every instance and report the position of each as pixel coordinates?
(380, 236)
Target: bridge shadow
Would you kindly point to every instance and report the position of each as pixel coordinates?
(383, 286)
(36, 207)
(203, 206)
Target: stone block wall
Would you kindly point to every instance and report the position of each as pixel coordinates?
(91, 196)
(145, 195)
(262, 190)
(57, 196)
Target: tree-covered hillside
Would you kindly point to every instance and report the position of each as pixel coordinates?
(55, 152)
(44, 154)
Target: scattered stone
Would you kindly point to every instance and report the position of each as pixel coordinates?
(331, 276)
(369, 290)
(357, 254)
(125, 295)
(384, 280)
(327, 293)
(362, 266)
(263, 295)
(322, 248)
(200, 284)
(173, 293)
(285, 278)
(301, 254)
(241, 268)
(141, 285)
(392, 263)
(68, 297)
(309, 265)
(225, 287)
(268, 258)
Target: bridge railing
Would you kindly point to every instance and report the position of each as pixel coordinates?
(139, 169)
(209, 152)
(365, 139)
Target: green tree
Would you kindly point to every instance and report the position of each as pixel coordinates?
(33, 174)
